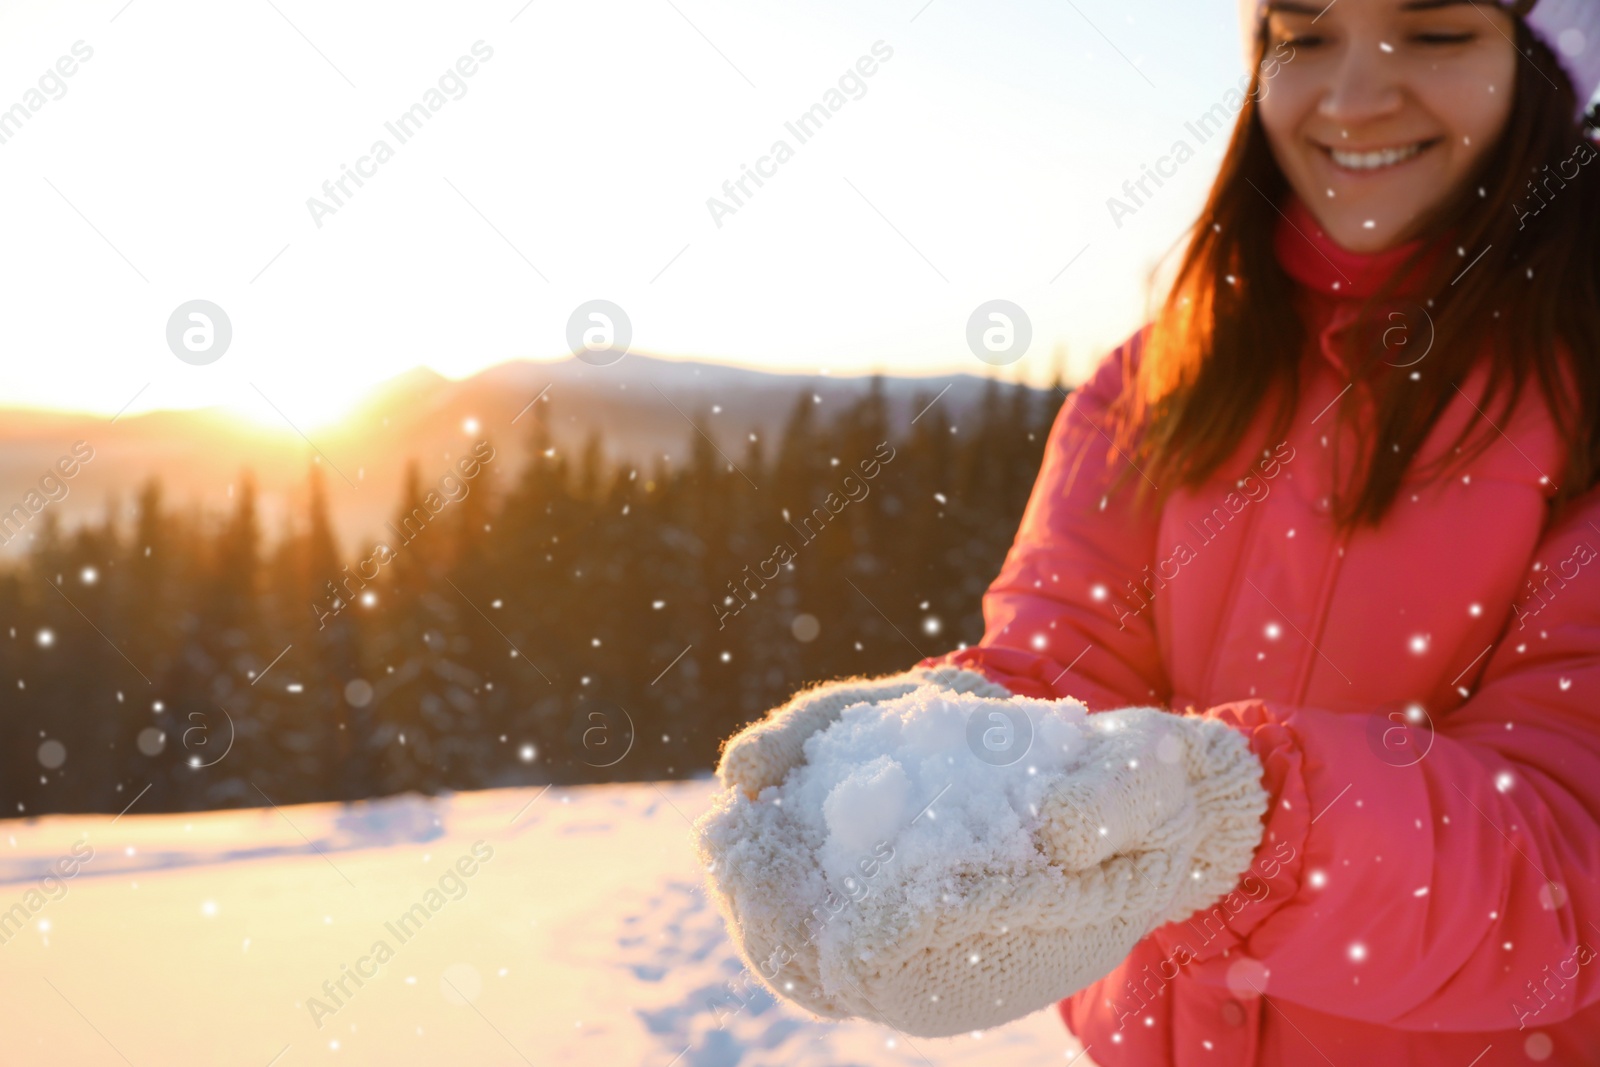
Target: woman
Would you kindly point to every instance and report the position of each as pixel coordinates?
(1339, 498)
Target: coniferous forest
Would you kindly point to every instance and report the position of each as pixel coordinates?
(567, 621)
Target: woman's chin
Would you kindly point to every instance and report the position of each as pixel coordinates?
(1357, 239)
(1361, 231)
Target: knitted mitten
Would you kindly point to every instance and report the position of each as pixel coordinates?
(763, 752)
(1152, 816)
(1179, 796)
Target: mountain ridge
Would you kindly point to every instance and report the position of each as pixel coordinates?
(644, 407)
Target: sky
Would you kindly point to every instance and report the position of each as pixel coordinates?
(185, 158)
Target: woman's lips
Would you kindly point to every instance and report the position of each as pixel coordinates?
(1375, 160)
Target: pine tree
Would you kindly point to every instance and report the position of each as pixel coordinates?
(591, 610)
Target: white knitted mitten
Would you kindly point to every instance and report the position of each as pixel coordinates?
(1150, 817)
(763, 752)
(1178, 796)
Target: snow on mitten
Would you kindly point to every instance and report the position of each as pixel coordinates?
(763, 752)
(899, 876)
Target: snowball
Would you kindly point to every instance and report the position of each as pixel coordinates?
(868, 805)
(894, 809)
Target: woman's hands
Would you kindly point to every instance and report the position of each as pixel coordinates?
(1145, 817)
(1155, 816)
(763, 752)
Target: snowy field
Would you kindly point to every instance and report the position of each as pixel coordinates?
(562, 926)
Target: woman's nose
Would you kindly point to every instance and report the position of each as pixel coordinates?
(1365, 85)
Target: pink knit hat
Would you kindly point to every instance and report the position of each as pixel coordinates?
(1571, 28)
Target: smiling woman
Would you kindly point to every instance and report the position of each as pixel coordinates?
(1385, 108)
(1372, 192)
(1390, 175)
(1407, 128)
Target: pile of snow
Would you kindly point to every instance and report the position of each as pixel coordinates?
(898, 811)
(897, 776)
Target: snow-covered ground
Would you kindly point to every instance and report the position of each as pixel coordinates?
(549, 927)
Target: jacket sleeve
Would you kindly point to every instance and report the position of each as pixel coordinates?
(1052, 625)
(1446, 874)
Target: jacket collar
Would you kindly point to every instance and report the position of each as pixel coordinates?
(1340, 280)
(1317, 262)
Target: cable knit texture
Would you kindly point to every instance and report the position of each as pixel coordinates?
(1156, 816)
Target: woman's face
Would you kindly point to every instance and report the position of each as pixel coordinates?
(1385, 108)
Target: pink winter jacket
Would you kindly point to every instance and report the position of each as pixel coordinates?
(1424, 698)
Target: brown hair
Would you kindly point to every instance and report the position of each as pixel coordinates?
(1228, 333)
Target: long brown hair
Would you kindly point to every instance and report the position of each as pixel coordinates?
(1228, 332)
